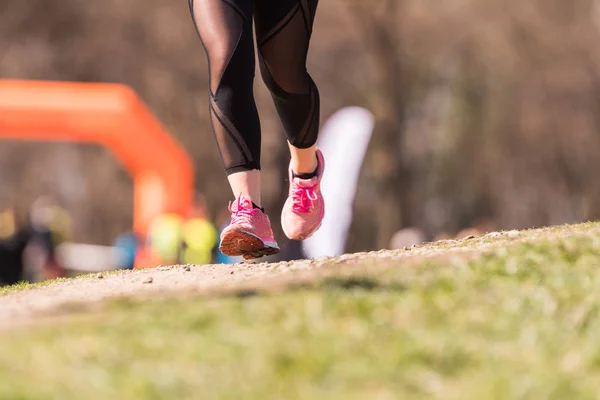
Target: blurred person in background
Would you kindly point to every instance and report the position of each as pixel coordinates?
(283, 31)
(191, 240)
(13, 242)
(199, 236)
(164, 238)
(50, 225)
(128, 244)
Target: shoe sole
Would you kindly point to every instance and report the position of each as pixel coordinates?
(265, 251)
(238, 242)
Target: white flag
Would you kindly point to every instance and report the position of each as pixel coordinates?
(343, 140)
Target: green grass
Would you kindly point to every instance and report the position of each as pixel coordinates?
(21, 286)
(18, 287)
(518, 322)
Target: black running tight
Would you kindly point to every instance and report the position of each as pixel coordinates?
(283, 30)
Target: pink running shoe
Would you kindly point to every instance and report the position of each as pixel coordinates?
(304, 208)
(249, 233)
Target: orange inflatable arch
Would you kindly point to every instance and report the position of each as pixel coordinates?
(113, 116)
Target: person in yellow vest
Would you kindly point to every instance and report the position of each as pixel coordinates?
(164, 238)
(199, 236)
(177, 240)
(199, 241)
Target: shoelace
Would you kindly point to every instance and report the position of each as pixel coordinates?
(243, 213)
(302, 198)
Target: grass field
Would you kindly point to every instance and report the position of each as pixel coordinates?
(515, 321)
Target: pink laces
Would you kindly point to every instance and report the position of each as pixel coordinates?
(244, 211)
(302, 198)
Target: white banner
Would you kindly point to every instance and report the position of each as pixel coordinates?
(89, 258)
(343, 140)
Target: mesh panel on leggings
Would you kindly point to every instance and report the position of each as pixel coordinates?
(283, 31)
(225, 28)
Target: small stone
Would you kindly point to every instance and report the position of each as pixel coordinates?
(100, 276)
(187, 268)
(231, 273)
(148, 280)
(469, 237)
(163, 268)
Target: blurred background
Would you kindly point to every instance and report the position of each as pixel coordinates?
(487, 112)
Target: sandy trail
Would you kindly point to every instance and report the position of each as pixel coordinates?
(37, 302)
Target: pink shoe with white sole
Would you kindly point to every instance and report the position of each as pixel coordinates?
(304, 208)
(249, 234)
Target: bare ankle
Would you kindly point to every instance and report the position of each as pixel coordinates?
(247, 185)
(304, 161)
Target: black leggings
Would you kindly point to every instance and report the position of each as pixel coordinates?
(283, 31)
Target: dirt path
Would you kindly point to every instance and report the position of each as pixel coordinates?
(31, 304)
(21, 306)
